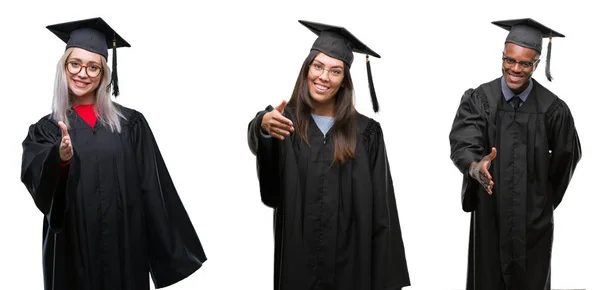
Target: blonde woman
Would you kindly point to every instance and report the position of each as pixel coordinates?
(111, 212)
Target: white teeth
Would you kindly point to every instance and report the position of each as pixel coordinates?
(515, 77)
(320, 87)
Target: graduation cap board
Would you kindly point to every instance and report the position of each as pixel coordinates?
(528, 33)
(339, 43)
(93, 35)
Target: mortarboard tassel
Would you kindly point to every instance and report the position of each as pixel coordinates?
(548, 60)
(114, 78)
(372, 88)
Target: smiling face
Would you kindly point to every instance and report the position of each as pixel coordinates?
(325, 77)
(84, 73)
(518, 65)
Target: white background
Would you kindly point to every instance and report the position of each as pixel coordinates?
(199, 73)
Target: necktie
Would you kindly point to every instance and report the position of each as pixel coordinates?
(516, 102)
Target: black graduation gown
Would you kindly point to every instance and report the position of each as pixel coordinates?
(537, 151)
(336, 226)
(116, 215)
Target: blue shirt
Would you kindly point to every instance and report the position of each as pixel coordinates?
(324, 123)
(509, 94)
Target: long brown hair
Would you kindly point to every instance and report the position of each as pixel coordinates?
(345, 127)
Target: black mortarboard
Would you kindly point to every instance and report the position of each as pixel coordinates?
(528, 33)
(93, 35)
(339, 43)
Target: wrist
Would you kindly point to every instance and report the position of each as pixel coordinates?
(65, 163)
(262, 124)
(472, 168)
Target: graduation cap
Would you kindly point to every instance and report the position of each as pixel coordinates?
(339, 43)
(528, 33)
(93, 35)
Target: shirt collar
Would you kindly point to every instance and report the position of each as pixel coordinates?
(509, 94)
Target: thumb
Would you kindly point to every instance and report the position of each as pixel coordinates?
(63, 128)
(493, 154)
(281, 106)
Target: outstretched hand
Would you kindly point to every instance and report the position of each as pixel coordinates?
(66, 148)
(480, 171)
(276, 124)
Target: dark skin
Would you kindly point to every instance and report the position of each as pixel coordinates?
(480, 171)
(517, 75)
(517, 69)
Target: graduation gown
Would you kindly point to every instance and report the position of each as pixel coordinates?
(537, 151)
(336, 226)
(115, 215)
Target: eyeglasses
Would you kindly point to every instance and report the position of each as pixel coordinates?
(523, 64)
(317, 70)
(92, 70)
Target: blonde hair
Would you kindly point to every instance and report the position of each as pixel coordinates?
(105, 108)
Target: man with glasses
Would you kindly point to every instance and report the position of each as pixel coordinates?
(516, 144)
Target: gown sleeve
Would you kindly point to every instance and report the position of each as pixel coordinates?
(266, 150)
(565, 146)
(175, 251)
(390, 270)
(50, 184)
(467, 144)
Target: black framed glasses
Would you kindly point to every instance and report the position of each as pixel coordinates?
(92, 70)
(524, 64)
